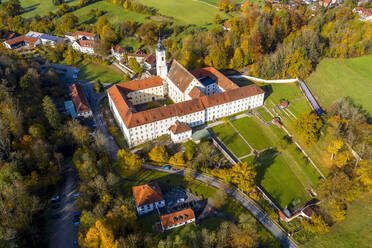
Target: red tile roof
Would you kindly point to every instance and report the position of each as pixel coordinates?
(82, 33)
(147, 193)
(79, 99)
(220, 79)
(86, 43)
(177, 217)
(131, 119)
(179, 127)
(141, 84)
(119, 49)
(21, 38)
(181, 77)
(196, 93)
(150, 59)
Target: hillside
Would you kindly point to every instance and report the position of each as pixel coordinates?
(337, 78)
(351, 232)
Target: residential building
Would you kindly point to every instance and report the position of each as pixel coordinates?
(200, 96)
(148, 197)
(82, 108)
(139, 56)
(118, 52)
(84, 46)
(21, 41)
(45, 39)
(177, 219)
(149, 62)
(365, 14)
(81, 35)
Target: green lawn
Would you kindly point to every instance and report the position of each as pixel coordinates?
(40, 7)
(278, 180)
(214, 2)
(115, 14)
(353, 231)
(337, 78)
(186, 11)
(253, 131)
(232, 140)
(94, 72)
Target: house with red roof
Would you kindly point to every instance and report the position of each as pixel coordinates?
(148, 197)
(180, 132)
(21, 41)
(80, 101)
(177, 219)
(84, 46)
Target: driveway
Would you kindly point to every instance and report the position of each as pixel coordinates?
(281, 236)
(63, 232)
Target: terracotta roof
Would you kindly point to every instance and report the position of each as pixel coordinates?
(196, 93)
(180, 76)
(231, 95)
(86, 43)
(21, 38)
(119, 49)
(179, 127)
(220, 79)
(118, 95)
(82, 33)
(147, 193)
(141, 84)
(79, 99)
(150, 59)
(177, 217)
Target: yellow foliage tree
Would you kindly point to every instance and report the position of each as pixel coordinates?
(128, 161)
(316, 224)
(243, 175)
(307, 126)
(177, 159)
(343, 158)
(364, 173)
(334, 147)
(159, 154)
(99, 236)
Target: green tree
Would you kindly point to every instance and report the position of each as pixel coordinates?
(190, 149)
(135, 66)
(237, 61)
(217, 19)
(51, 112)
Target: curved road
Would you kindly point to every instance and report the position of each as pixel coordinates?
(240, 197)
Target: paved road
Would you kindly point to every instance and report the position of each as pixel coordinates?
(63, 232)
(243, 199)
(111, 146)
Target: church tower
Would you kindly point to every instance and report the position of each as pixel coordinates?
(161, 60)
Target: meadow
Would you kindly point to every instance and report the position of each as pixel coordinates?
(353, 231)
(40, 7)
(94, 72)
(337, 78)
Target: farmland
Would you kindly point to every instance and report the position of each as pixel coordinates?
(337, 78)
(40, 7)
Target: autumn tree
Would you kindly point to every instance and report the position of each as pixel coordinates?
(244, 176)
(79, 133)
(135, 66)
(51, 112)
(177, 159)
(237, 61)
(307, 126)
(316, 224)
(190, 149)
(334, 147)
(128, 161)
(99, 236)
(159, 154)
(217, 19)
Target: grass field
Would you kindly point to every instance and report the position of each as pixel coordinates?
(94, 72)
(232, 140)
(40, 7)
(114, 14)
(337, 78)
(278, 180)
(353, 231)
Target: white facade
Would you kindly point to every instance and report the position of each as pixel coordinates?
(180, 137)
(82, 49)
(161, 61)
(146, 95)
(178, 224)
(144, 209)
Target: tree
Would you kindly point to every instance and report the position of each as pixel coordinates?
(316, 224)
(135, 66)
(217, 19)
(51, 112)
(307, 126)
(159, 154)
(334, 147)
(126, 77)
(237, 61)
(128, 161)
(57, 2)
(244, 176)
(177, 159)
(190, 149)
(364, 173)
(343, 158)
(13, 8)
(25, 82)
(99, 236)
(67, 23)
(79, 133)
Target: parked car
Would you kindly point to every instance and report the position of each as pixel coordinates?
(94, 125)
(76, 195)
(77, 214)
(76, 223)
